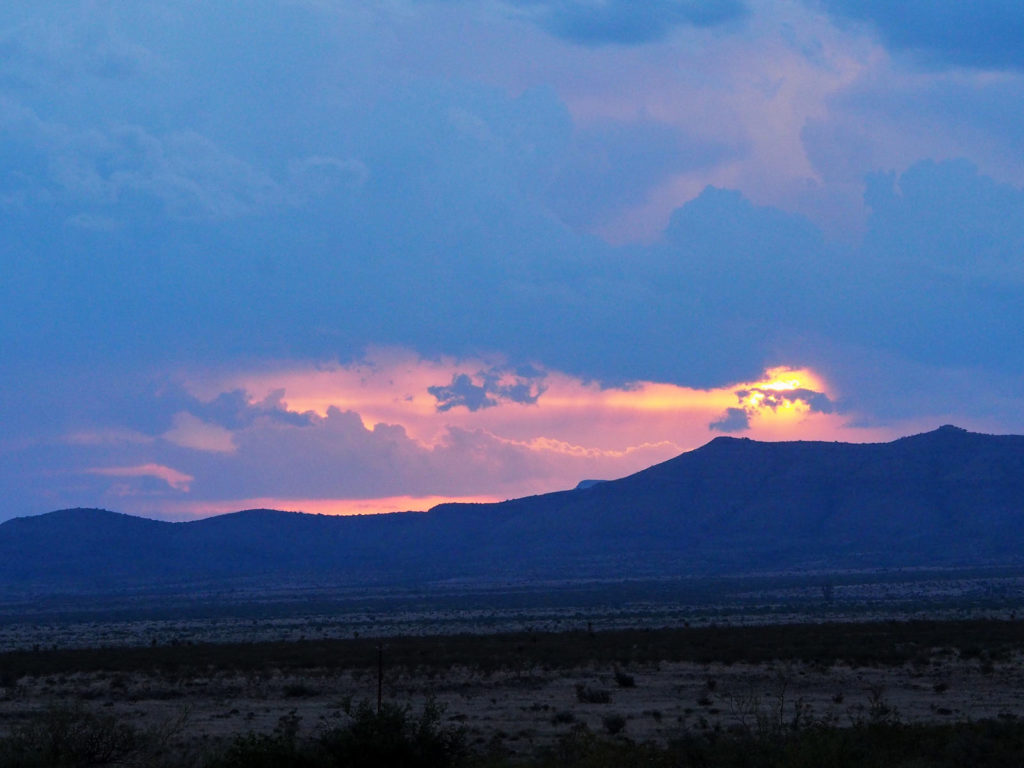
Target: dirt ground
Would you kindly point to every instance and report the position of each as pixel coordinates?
(527, 708)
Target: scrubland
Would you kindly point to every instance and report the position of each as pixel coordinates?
(854, 693)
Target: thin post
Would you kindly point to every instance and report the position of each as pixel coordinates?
(380, 675)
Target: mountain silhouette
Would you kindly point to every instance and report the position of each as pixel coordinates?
(943, 498)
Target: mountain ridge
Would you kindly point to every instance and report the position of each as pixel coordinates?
(948, 497)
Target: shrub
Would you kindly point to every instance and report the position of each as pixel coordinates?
(613, 724)
(587, 695)
(261, 750)
(393, 739)
(623, 680)
(68, 737)
(388, 739)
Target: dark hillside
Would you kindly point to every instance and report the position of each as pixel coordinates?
(945, 498)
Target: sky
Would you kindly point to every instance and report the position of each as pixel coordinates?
(348, 257)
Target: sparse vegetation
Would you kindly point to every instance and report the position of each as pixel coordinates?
(587, 695)
(390, 738)
(711, 696)
(63, 736)
(613, 723)
(879, 643)
(623, 680)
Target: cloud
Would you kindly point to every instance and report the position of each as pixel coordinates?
(493, 386)
(234, 410)
(191, 432)
(734, 420)
(949, 218)
(984, 34)
(783, 391)
(462, 391)
(603, 22)
(766, 397)
(187, 173)
(612, 165)
(447, 179)
(178, 481)
(125, 170)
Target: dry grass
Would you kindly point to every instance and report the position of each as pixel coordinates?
(524, 690)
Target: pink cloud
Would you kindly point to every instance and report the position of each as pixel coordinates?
(189, 431)
(179, 481)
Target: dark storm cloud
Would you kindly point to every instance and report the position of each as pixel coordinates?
(488, 388)
(462, 391)
(817, 402)
(734, 420)
(986, 33)
(758, 398)
(602, 22)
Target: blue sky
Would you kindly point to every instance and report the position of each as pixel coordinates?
(436, 249)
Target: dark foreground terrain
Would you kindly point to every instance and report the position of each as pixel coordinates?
(876, 693)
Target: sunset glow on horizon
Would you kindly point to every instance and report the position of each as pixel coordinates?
(479, 431)
(392, 387)
(195, 510)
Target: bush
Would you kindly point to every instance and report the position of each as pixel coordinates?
(392, 739)
(68, 737)
(623, 680)
(389, 739)
(587, 695)
(613, 724)
(262, 750)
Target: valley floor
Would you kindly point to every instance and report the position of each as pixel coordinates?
(521, 692)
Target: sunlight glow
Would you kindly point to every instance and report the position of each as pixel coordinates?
(451, 429)
(338, 507)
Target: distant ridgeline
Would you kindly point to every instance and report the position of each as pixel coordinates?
(944, 498)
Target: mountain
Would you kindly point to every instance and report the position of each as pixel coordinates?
(944, 498)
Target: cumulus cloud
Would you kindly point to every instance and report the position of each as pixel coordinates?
(187, 173)
(235, 410)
